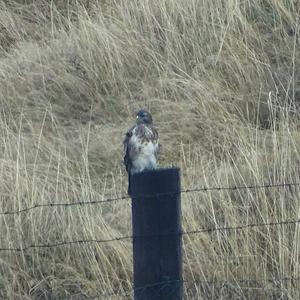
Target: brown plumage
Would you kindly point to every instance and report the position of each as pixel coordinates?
(141, 146)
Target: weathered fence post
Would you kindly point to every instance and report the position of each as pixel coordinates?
(156, 220)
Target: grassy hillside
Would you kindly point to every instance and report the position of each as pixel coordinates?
(222, 80)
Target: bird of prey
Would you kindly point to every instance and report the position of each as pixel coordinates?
(141, 146)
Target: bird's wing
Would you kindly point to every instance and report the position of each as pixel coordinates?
(126, 144)
(155, 141)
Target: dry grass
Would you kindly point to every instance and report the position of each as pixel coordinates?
(72, 74)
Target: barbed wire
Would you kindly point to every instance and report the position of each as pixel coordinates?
(240, 227)
(130, 237)
(137, 289)
(78, 203)
(190, 232)
(125, 197)
(211, 282)
(65, 243)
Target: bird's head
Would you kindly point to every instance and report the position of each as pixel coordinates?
(143, 117)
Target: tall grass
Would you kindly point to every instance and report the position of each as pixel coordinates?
(221, 79)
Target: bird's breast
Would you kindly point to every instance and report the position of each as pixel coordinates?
(143, 147)
(142, 154)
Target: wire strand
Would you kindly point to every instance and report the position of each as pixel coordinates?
(78, 203)
(211, 282)
(130, 237)
(126, 197)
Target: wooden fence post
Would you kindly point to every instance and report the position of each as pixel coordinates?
(156, 220)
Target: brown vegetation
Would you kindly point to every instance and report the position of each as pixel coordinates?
(222, 81)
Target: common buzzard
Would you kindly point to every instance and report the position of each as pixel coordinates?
(141, 146)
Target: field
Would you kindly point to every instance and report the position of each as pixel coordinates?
(222, 81)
